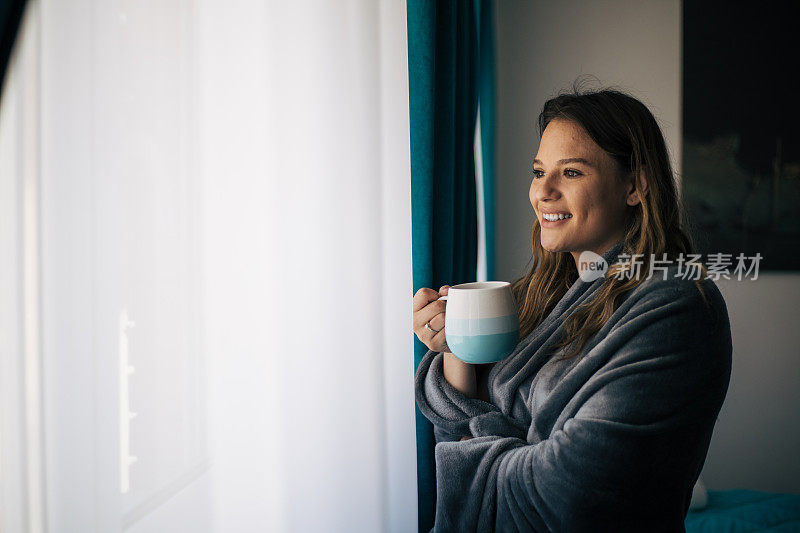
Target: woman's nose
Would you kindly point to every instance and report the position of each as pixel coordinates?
(544, 188)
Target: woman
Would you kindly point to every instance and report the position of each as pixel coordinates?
(601, 418)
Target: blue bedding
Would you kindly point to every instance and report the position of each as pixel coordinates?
(740, 510)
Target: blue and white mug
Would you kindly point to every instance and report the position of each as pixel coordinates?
(480, 321)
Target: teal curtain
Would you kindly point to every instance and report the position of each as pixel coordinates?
(10, 16)
(449, 70)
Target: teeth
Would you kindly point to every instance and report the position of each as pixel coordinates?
(553, 218)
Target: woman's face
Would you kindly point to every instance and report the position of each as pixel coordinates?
(573, 175)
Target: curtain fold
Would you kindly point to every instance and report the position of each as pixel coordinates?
(10, 17)
(486, 94)
(448, 71)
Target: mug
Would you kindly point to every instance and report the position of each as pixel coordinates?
(481, 322)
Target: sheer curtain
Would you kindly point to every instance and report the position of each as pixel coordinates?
(208, 215)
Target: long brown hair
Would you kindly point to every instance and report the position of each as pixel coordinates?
(625, 129)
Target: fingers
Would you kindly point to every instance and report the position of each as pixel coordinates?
(438, 342)
(435, 340)
(428, 309)
(429, 312)
(423, 297)
(437, 322)
(426, 305)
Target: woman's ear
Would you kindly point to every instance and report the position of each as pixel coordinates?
(633, 195)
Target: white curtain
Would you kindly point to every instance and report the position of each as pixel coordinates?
(206, 215)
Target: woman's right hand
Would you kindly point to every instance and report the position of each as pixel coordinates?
(429, 309)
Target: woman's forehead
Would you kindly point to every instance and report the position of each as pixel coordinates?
(566, 133)
(566, 140)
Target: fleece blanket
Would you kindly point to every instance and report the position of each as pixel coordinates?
(610, 440)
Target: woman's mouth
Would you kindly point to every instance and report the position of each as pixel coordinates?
(549, 221)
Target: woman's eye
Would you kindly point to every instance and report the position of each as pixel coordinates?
(570, 173)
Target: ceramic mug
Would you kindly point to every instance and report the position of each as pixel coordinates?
(481, 322)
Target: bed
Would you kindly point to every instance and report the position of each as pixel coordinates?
(742, 510)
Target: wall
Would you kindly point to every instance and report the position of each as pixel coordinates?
(542, 47)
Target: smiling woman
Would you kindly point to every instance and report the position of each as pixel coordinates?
(593, 148)
(589, 191)
(615, 438)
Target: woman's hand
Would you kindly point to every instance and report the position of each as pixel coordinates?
(466, 438)
(429, 309)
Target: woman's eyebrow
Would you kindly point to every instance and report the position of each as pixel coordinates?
(570, 160)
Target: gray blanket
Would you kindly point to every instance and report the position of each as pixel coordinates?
(611, 440)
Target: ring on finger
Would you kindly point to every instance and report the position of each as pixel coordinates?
(429, 328)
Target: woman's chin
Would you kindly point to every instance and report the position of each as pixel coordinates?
(552, 247)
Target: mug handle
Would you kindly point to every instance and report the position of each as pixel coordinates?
(442, 297)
